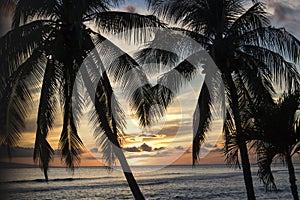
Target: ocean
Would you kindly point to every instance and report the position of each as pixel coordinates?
(174, 182)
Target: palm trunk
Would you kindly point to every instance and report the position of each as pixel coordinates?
(117, 149)
(128, 174)
(292, 177)
(247, 170)
(242, 143)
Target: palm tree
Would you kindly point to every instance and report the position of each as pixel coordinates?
(47, 45)
(272, 129)
(279, 124)
(247, 51)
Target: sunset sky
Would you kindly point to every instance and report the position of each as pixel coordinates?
(170, 139)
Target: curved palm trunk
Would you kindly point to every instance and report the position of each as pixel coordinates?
(128, 174)
(117, 149)
(242, 143)
(292, 177)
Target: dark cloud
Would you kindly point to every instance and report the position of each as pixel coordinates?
(208, 145)
(132, 149)
(94, 150)
(16, 152)
(24, 152)
(130, 8)
(32, 120)
(204, 150)
(143, 148)
(152, 135)
(146, 135)
(160, 149)
(179, 148)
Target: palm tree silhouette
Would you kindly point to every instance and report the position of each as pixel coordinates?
(272, 129)
(249, 53)
(47, 45)
(279, 125)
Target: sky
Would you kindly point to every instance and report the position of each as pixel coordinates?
(168, 142)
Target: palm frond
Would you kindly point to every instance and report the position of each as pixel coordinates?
(265, 156)
(46, 114)
(231, 148)
(108, 135)
(201, 16)
(99, 119)
(70, 143)
(277, 40)
(118, 64)
(203, 40)
(168, 48)
(143, 100)
(295, 149)
(201, 121)
(131, 78)
(153, 57)
(108, 118)
(94, 6)
(171, 82)
(284, 73)
(16, 100)
(173, 10)
(255, 17)
(255, 83)
(130, 26)
(25, 12)
(17, 45)
(78, 100)
(91, 7)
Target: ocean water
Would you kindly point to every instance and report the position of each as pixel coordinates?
(174, 182)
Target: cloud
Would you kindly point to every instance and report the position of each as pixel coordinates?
(94, 150)
(130, 139)
(143, 148)
(160, 149)
(158, 136)
(132, 149)
(16, 152)
(130, 8)
(208, 145)
(286, 14)
(283, 12)
(179, 148)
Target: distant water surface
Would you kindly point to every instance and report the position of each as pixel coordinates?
(174, 182)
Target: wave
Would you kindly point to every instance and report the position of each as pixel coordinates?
(57, 180)
(154, 183)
